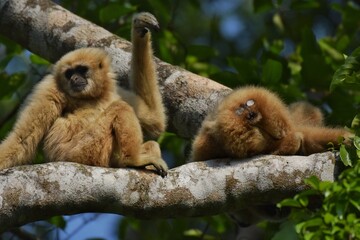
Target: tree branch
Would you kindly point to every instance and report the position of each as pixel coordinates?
(30, 193)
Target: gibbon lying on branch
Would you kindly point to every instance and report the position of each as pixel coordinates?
(253, 120)
(80, 114)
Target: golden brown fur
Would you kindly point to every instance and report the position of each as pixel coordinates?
(253, 120)
(79, 116)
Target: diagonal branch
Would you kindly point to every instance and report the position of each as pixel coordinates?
(30, 193)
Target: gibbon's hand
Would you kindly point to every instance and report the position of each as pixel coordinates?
(144, 22)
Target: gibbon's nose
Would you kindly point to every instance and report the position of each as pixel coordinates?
(251, 115)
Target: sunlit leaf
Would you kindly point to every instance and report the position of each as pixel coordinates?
(344, 156)
(355, 203)
(289, 203)
(348, 74)
(38, 60)
(313, 182)
(356, 122)
(328, 218)
(357, 142)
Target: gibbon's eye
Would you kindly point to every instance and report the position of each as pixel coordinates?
(69, 73)
(81, 69)
(250, 102)
(100, 65)
(239, 111)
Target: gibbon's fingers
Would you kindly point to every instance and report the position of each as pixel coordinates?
(42, 108)
(144, 21)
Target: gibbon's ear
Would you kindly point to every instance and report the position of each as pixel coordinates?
(100, 65)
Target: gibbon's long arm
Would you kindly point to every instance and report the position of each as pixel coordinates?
(42, 108)
(147, 100)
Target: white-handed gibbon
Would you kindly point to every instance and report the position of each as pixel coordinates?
(253, 120)
(80, 115)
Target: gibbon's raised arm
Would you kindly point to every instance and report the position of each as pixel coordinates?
(43, 107)
(147, 100)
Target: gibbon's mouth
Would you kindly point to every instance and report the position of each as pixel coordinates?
(78, 86)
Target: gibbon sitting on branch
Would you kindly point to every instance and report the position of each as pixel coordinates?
(80, 115)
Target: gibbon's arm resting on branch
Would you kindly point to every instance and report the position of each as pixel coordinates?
(79, 115)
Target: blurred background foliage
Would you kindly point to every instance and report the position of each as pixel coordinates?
(293, 47)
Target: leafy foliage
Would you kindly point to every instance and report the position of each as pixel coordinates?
(338, 216)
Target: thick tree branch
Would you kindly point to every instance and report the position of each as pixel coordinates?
(30, 193)
(50, 31)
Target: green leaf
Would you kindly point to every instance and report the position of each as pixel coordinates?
(348, 74)
(313, 222)
(355, 124)
(315, 71)
(357, 142)
(289, 203)
(328, 218)
(113, 11)
(58, 221)
(38, 60)
(287, 231)
(272, 71)
(313, 182)
(355, 204)
(325, 185)
(345, 156)
(262, 6)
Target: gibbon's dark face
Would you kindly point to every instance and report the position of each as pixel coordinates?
(84, 73)
(77, 77)
(248, 111)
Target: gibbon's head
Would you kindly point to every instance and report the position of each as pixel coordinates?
(246, 107)
(85, 73)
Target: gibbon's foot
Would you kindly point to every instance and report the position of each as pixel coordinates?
(144, 21)
(151, 156)
(161, 168)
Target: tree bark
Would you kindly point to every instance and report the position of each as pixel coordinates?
(50, 31)
(30, 193)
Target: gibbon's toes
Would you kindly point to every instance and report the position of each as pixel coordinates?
(144, 21)
(161, 168)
